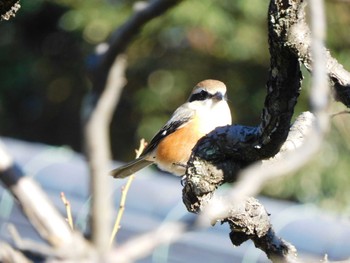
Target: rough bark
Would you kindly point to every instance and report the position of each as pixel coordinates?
(218, 157)
(249, 220)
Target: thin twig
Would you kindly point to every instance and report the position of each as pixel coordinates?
(68, 210)
(39, 210)
(142, 245)
(9, 254)
(125, 190)
(340, 113)
(30, 245)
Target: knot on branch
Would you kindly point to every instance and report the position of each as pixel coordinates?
(247, 220)
(250, 220)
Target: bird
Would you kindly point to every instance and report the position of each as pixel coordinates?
(171, 147)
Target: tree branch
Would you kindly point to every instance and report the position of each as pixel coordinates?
(218, 157)
(40, 211)
(246, 217)
(8, 254)
(108, 80)
(141, 246)
(99, 156)
(249, 220)
(314, 127)
(294, 153)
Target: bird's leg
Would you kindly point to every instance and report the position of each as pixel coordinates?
(183, 180)
(184, 165)
(184, 177)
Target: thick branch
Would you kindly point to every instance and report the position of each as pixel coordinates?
(249, 220)
(236, 146)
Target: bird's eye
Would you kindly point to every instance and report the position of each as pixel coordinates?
(203, 95)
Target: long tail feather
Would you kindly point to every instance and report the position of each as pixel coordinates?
(130, 168)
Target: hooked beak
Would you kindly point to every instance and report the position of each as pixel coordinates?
(218, 96)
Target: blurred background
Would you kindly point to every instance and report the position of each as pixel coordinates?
(46, 49)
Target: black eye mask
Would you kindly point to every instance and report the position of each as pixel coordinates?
(203, 95)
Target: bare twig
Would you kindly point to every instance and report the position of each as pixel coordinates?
(340, 113)
(141, 246)
(9, 255)
(125, 190)
(68, 210)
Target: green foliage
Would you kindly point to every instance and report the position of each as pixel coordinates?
(95, 20)
(46, 49)
(325, 180)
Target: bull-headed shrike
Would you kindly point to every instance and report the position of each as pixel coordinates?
(171, 147)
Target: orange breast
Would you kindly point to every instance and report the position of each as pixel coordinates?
(176, 147)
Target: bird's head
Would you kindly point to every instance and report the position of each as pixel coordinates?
(208, 90)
